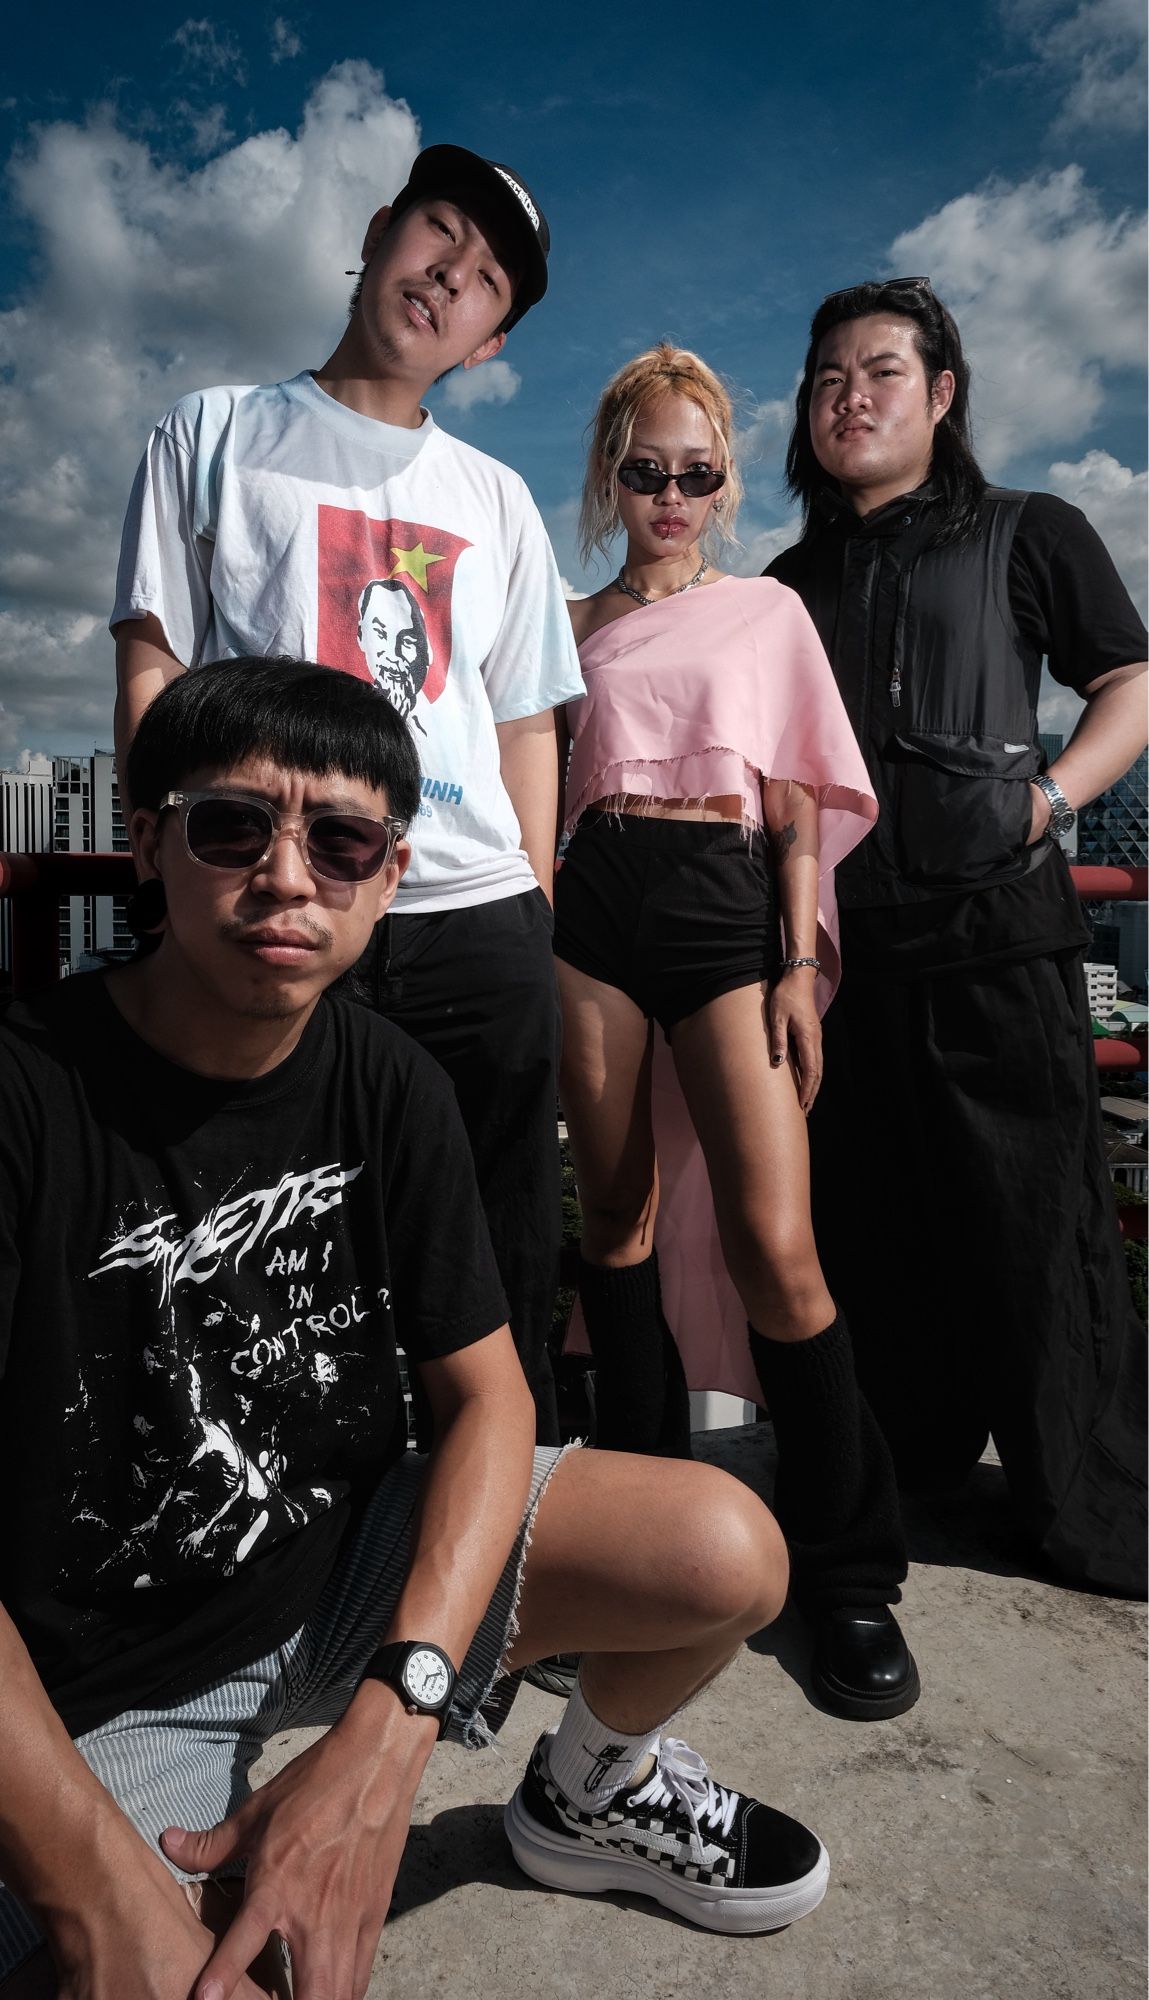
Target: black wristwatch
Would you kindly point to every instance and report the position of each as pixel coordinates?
(420, 1673)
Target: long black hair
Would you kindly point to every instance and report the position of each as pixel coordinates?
(954, 469)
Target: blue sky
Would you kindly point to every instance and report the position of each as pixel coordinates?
(185, 191)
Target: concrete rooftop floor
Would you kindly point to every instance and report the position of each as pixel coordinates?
(989, 1845)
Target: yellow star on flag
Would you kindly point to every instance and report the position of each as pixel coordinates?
(414, 562)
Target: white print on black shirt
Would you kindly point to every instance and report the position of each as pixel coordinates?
(255, 1301)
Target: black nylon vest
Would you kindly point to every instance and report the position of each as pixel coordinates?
(939, 690)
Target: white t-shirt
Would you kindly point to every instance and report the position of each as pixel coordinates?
(274, 520)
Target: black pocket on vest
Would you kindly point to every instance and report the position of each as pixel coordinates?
(964, 810)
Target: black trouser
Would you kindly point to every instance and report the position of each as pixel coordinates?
(476, 988)
(965, 1219)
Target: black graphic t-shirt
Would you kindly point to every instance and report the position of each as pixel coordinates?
(202, 1284)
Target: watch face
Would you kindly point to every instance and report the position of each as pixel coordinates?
(426, 1677)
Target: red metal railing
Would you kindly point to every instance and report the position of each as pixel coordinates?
(36, 885)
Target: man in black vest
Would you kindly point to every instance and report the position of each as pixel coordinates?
(963, 1210)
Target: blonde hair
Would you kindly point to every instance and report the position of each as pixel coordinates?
(662, 370)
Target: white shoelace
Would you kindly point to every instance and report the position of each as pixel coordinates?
(682, 1777)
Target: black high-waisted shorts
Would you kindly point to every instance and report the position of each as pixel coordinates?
(673, 912)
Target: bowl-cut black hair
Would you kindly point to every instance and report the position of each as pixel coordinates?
(300, 716)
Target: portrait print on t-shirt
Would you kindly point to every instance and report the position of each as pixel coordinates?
(384, 602)
(245, 1362)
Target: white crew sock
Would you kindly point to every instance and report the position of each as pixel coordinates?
(590, 1761)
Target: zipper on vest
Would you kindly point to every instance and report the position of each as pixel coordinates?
(899, 647)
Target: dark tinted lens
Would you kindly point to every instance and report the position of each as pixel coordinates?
(647, 479)
(697, 485)
(643, 478)
(228, 833)
(347, 847)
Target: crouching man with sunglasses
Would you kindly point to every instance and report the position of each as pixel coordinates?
(225, 1197)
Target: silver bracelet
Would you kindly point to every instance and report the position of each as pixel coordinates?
(792, 964)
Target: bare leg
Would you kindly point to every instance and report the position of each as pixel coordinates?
(655, 1572)
(753, 1137)
(605, 1089)
(641, 1399)
(835, 1494)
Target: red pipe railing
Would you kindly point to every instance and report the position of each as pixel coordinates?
(36, 885)
(1110, 885)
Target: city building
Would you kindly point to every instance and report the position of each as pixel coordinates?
(1101, 987)
(1112, 831)
(25, 828)
(87, 820)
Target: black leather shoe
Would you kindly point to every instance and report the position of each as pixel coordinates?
(862, 1665)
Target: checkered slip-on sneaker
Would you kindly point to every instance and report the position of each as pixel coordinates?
(710, 1855)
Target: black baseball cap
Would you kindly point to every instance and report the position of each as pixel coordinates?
(450, 171)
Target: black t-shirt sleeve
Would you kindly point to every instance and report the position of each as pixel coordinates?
(446, 1292)
(1066, 596)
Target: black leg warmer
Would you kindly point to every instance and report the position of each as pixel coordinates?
(836, 1498)
(641, 1399)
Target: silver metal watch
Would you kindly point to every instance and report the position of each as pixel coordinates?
(1062, 815)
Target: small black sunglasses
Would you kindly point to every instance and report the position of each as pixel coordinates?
(879, 284)
(692, 485)
(231, 830)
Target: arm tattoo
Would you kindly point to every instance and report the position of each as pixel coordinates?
(784, 840)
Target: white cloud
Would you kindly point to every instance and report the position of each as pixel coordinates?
(207, 125)
(155, 279)
(1095, 52)
(488, 382)
(1058, 709)
(285, 41)
(1115, 500)
(569, 591)
(202, 47)
(1049, 293)
(57, 678)
(764, 434)
(761, 545)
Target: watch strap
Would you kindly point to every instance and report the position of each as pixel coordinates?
(387, 1663)
(1061, 814)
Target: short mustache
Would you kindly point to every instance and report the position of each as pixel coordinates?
(238, 928)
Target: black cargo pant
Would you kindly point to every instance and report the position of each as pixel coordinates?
(476, 988)
(965, 1219)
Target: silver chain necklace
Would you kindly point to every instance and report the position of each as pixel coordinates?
(620, 584)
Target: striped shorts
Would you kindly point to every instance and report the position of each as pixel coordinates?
(188, 1765)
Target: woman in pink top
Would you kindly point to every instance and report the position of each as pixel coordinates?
(714, 782)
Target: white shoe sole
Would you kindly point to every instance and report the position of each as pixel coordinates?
(563, 1863)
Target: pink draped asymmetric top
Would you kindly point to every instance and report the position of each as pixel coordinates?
(698, 696)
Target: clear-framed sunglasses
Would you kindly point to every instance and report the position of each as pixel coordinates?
(234, 830)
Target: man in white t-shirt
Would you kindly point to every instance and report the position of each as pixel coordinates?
(328, 518)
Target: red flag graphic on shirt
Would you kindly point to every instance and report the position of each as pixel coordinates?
(384, 592)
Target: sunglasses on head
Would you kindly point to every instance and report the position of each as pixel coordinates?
(692, 485)
(879, 284)
(231, 830)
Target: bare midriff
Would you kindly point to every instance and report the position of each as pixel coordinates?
(727, 805)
